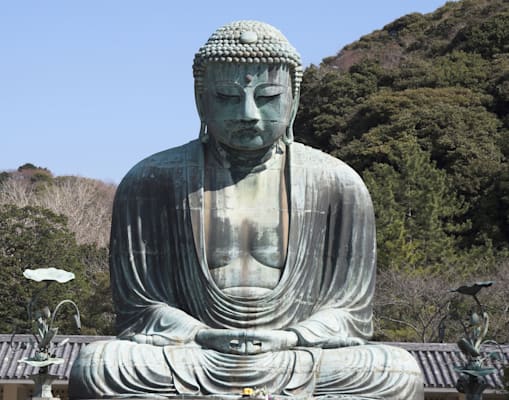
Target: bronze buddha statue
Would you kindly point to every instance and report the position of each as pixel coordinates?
(243, 259)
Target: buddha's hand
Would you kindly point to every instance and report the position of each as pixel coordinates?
(154, 340)
(234, 341)
(334, 343)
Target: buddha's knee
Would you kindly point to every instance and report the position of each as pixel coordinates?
(372, 357)
(377, 371)
(96, 355)
(107, 368)
(396, 358)
(86, 371)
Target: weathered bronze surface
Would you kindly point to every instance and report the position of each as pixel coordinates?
(243, 260)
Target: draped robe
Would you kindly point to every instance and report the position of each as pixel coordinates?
(162, 287)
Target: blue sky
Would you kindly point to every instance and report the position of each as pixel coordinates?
(91, 87)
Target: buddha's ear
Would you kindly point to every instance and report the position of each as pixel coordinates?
(199, 98)
(295, 106)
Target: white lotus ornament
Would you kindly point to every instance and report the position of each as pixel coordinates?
(48, 274)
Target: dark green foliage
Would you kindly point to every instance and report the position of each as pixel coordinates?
(452, 124)
(34, 237)
(488, 37)
(99, 315)
(27, 166)
(3, 176)
(453, 69)
(327, 99)
(415, 210)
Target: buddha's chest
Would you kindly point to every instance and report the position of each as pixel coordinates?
(246, 230)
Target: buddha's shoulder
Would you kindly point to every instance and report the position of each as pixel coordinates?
(166, 162)
(172, 158)
(317, 162)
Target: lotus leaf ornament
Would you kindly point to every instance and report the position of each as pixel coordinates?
(48, 274)
(42, 363)
(473, 289)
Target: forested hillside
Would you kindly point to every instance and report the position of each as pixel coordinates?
(419, 108)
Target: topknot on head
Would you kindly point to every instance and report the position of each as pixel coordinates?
(248, 42)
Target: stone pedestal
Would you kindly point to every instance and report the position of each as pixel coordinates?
(42, 390)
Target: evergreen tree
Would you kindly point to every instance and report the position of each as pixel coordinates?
(34, 237)
(415, 209)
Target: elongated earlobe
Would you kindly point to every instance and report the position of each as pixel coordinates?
(204, 135)
(289, 135)
(289, 130)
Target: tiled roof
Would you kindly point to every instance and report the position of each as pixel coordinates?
(437, 360)
(22, 346)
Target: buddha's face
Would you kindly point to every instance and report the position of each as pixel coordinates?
(247, 106)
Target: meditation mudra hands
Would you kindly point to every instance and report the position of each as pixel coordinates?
(262, 340)
(238, 341)
(241, 341)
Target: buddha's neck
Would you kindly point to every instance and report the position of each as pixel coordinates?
(244, 160)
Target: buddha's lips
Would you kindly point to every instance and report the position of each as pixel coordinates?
(246, 132)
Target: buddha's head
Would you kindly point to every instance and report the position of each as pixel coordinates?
(247, 82)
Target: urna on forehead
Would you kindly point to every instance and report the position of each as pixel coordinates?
(250, 42)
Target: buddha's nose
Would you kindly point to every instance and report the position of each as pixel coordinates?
(250, 111)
